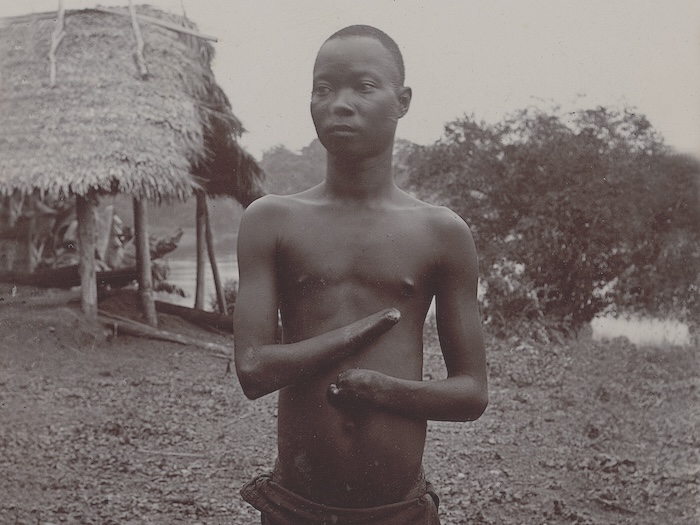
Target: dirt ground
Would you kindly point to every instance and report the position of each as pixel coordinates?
(128, 430)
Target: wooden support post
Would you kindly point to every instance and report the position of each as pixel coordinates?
(32, 252)
(201, 227)
(85, 211)
(143, 262)
(220, 298)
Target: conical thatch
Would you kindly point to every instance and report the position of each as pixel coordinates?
(104, 128)
(232, 171)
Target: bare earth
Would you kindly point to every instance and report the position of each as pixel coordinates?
(130, 430)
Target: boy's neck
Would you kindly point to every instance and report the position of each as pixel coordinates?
(361, 179)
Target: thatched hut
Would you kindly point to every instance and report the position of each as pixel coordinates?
(96, 102)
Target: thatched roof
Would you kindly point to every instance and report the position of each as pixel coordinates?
(218, 176)
(104, 128)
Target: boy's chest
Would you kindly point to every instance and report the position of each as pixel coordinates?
(393, 255)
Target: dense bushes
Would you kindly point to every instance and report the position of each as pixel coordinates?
(572, 213)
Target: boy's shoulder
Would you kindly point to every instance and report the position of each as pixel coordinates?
(451, 237)
(273, 206)
(436, 216)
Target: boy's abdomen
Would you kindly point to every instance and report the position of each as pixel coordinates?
(346, 458)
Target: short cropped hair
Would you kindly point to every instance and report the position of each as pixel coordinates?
(381, 37)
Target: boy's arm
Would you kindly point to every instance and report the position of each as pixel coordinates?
(463, 395)
(262, 365)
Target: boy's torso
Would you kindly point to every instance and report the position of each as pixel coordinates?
(335, 265)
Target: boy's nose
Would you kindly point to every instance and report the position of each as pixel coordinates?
(342, 103)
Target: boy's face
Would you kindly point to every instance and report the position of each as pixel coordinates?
(356, 100)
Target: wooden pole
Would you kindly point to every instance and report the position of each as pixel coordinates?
(143, 262)
(32, 252)
(161, 23)
(201, 227)
(56, 37)
(85, 211)
(220, 297)
(140, 60)
(128, 326)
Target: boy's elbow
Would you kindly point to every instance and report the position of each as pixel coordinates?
(253, 393)
(475, 407)
(479, 407)
(251, 389)
(247, 374)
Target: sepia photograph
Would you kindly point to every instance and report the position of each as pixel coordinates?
(389, 262)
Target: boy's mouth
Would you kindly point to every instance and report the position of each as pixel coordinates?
(341, 129)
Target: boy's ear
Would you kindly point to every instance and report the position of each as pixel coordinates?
(404, 95)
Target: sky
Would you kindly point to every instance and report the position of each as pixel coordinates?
(462, 57)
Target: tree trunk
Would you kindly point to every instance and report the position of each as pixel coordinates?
(85, 211)
(143, 262)
(201, 248)
(220, 298)
(32, 252)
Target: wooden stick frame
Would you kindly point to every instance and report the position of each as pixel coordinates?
(161, 23)
(56, 37)
(140, 59)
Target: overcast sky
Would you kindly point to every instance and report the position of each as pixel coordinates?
(486, 58)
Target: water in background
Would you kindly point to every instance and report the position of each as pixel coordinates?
(639, 331)
(183, 273)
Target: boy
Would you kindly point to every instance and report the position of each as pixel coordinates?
(352, 266)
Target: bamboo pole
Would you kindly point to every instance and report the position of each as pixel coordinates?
(220, 297)
(130, 327)
(140, 60)
(162, 23)
(201, 228)
(143, 262)
(85, 211)
(56, 37)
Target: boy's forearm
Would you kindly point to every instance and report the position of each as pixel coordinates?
(459, 398)
(452, 399)
(267, 368)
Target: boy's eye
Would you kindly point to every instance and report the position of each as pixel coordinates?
(321, 90)
(366, 87)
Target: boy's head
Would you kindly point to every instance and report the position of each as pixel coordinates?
(358, 92)
(382, 38)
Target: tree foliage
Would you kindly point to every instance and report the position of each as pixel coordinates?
(289, 172)
(571, 212)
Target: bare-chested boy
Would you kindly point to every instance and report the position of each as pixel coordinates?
(352, 266)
